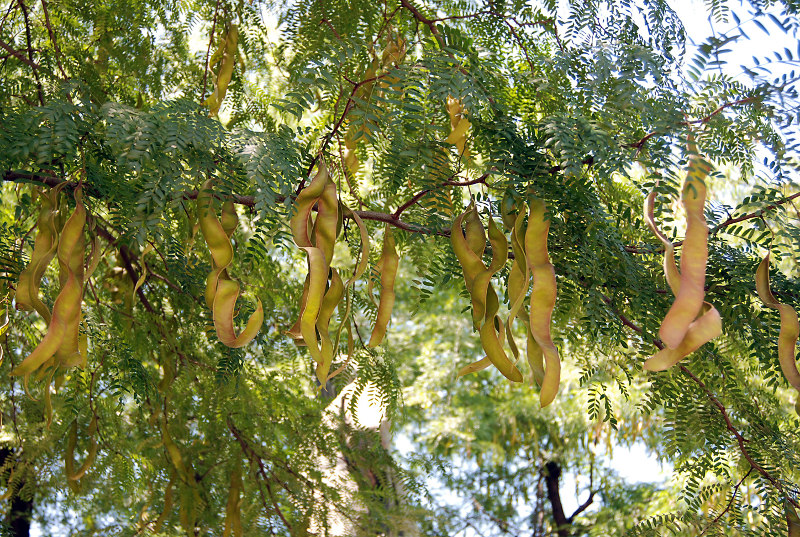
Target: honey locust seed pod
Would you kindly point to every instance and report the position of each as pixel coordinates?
(224, 305)
(390, 261)
(44, 249)
(229, 220)
(543, 297)
(294, 331)
(332, 298)
(490, 338)
(325, 225)
(474, 367)
(702, 330)
(670, 267)
(471, 263)
(168, 500)
(317, 278)
(67, 307)
(476, 236)
(690, 296)
(481, 283)
(299, 222)
(91, 454)
(792, 520)
(790, 328)
(219, 244)
(225, 73)
(147, 249)
(535, 359)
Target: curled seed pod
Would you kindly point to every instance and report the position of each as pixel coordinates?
(691, 293)
(670, 267)
(543, 297)
(228, 49)
(233, 521)
(294, 332)
(482, 281)
(518, 278)
(62, 331)
(702, 330)
(387, 267)
(790, 327)
(792, 521)
(168, 502)
(44, 249)
(332, 298)
(317, 278)
(470, 261)
(91, 454)
(224, 305)
(459, 125)
(474, 367)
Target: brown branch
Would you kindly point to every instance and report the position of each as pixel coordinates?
(18, 55)
(705, 119)
(419, 195)
(582, 507)
(53, 38)
(730, 503)
(740, 439)
(29, 41)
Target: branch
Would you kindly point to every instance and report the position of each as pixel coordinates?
(419, 195)
(18, 55)
(740, 439)
(730, 503)
(582, 507)
(552, 474)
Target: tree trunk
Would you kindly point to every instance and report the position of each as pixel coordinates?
(18, 519)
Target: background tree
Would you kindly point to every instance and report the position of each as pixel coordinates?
(134, 110)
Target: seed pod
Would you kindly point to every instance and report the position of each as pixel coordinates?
(790, 327)
(224, 304)
(44, 249)
(168, 501)
(474, 367)
(670, 267)
(543, 297)
(792, 521)
(62, 332)
(233, 521)
(73, 475)
(332, 298)
(387, 268)
(459, 125)
(689, 298)
(228, 48)
(702, 330)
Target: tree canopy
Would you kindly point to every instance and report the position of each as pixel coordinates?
(407, 267)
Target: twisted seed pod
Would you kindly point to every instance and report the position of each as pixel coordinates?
(62, 331)
(387, 268)
(222, 292)
(458, 125)
(792, 521)
(233, 519)
(168, 501)
(790, 328)
(228, 49)
(44, 249)
(543, 297)
(702, 330)
(329, 302)
(707, 325)
(72, 474)
(691, 293)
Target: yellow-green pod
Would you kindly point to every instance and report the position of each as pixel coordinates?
(325, 225)
(535, 358)
(219, 244)
(481, 283)
(317, 278)
(92, 451)
(702, 330)
(792, 521)
(332, 298)
(543, 297)
(44, 249)
(225, 73)
(224, 305)
(475, 234)
(490, 339)
(471, 262)
(391, 262)
(790, 328)
(474, 367)
(229, 220)
(294, 331)
(299, 222)
(168, 501)
(694, 256)
(671, 272)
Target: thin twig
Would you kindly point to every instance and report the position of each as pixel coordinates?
(730, 503)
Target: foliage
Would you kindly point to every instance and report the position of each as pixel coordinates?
(418, 110)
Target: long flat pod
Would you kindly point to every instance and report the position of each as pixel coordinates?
(694, 256)
(332, 298)
(702, 330)
(44, 249)
(224, 305)
(471, 263)
(67, 306)
(491, 333)
(790, 328)
(543, 297)
(390, 262)
(671, 272)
